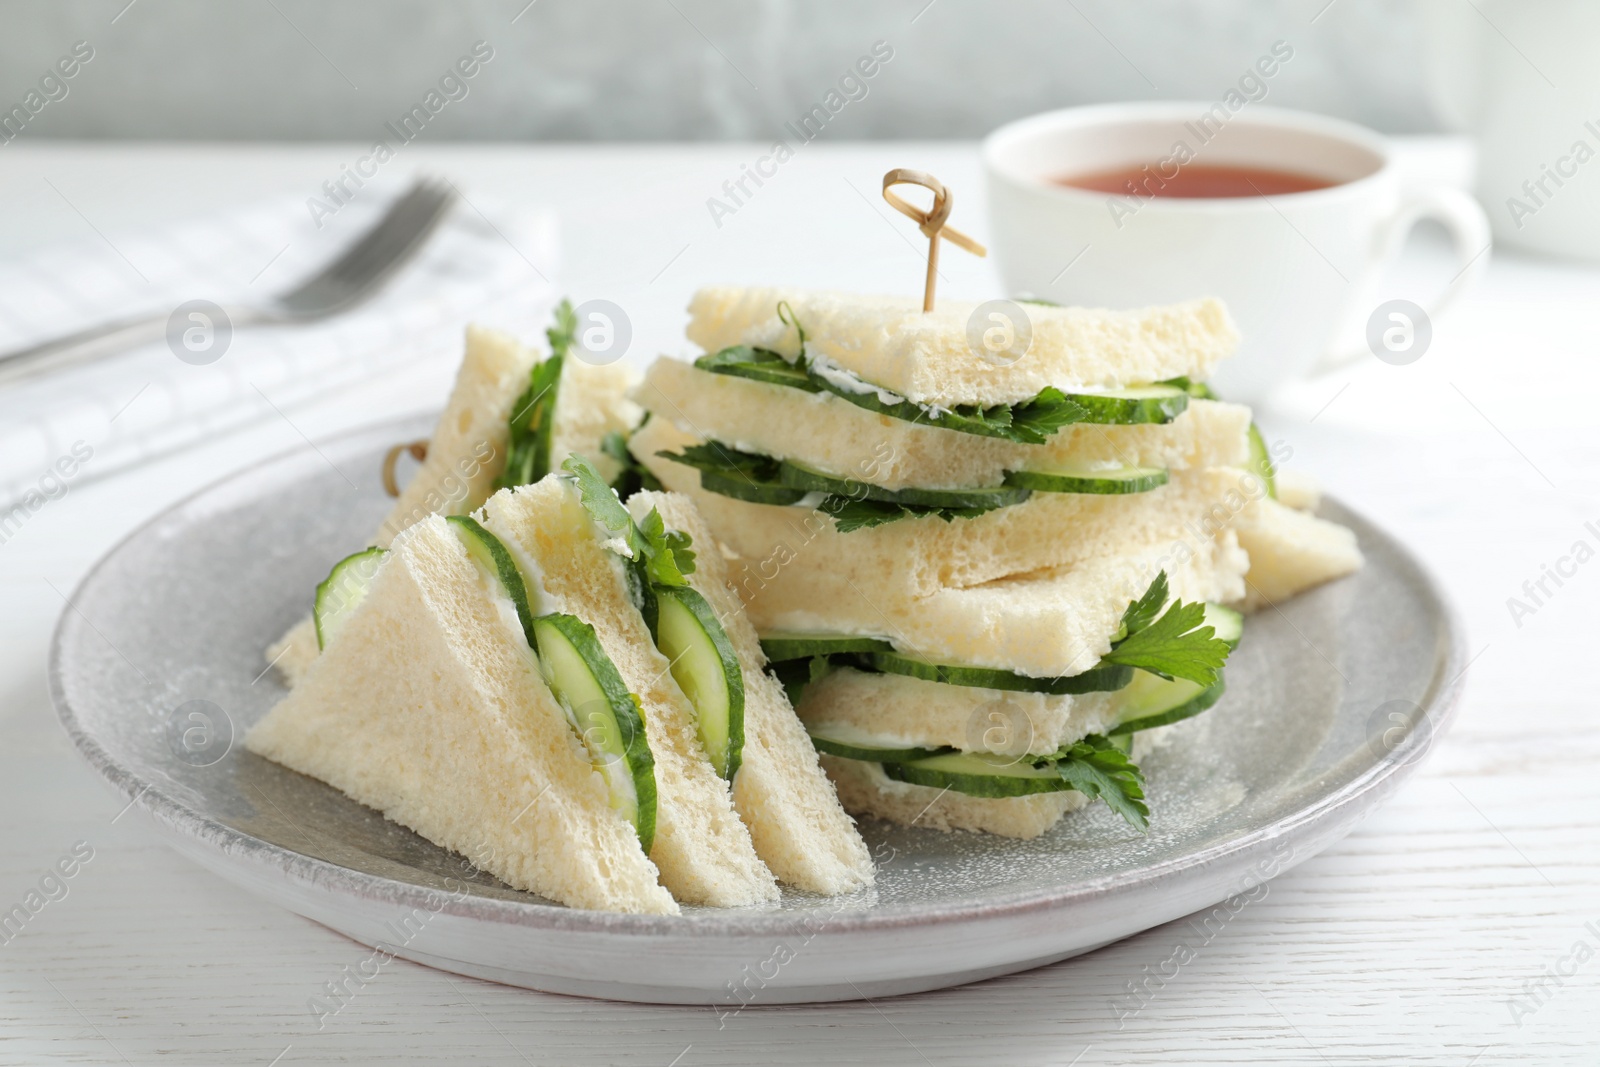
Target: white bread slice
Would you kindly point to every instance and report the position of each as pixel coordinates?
(837, 437)
(592, 402)
(703, 850)
(795, 820)
(429, 708)
(798, 547)
(915, 713)
(1049, 623)
(1291, 551)
(468, 448)
(865, 790)
(892, 343)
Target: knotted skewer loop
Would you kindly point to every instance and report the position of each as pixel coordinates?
(419, 452)
(931, 222)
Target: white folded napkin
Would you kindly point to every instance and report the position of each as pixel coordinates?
(487, 261)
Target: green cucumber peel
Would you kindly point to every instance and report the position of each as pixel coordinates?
(342, 590)
(1101, 678)
(706, 667)
(1154, 701)
(1261, 461)
(610, 719)
(491, 554)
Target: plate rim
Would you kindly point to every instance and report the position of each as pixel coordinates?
(1440, 706)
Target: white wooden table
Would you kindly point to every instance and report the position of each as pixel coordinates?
(1414, 940)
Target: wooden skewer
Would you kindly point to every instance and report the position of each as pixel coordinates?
(419, 452)
(931, 222)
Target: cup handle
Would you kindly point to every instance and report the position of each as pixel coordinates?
(1459, 213)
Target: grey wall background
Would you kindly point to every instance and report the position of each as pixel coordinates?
(684, 69)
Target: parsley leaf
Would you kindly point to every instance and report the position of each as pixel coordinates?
(661, 556)
(851, 513)
(533, 415)
(720, 459)
(1099, 770)
(754, 477)
(759, 364)
(1033, 422)
(1143, 612)
(1177, 645)
(667, 555)
(599, 499)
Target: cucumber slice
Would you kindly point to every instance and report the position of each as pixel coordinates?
(782, 646)
(707, 670)
(342, 590)
(840, 740)
(1115, 480)
(1138, 404)
(1261, 461)
(741, 487)
(1100, 679)
(805, 478)
(1152, 701)
(979, 775)
(587, 684)
(1228, 624)
(1197, 390)
(493, 556)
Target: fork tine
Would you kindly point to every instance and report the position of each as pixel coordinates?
(375, 255)
(410, 212)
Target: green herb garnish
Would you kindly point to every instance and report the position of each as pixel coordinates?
(1178, 644)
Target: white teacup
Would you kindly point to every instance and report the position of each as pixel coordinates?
(1295, 269)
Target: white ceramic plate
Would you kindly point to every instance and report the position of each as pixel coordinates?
(157, 672)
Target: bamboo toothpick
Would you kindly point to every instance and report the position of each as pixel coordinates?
(419, 452)
(930, 222)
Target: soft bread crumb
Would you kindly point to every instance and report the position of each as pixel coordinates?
(866, 790)
(428, 707)
(794, 816)
(1298, 490)
(295, 652)
(1291, 551)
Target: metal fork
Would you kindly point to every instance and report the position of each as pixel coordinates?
(355, 275)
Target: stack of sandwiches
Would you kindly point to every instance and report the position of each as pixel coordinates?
(631, 651)
(987, 576)
(563, 688)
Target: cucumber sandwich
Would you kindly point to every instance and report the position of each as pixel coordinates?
(555, 688)
(510, 411)
(986, 584)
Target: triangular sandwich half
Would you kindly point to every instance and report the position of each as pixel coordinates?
(428, 704)
(779, 788)
(703, 849)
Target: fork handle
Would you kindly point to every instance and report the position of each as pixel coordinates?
(82, 346)
(103, 340)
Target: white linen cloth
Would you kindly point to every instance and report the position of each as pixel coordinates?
(486, 261)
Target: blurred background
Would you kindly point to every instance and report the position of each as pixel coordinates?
(668, 70)
(159, 154)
